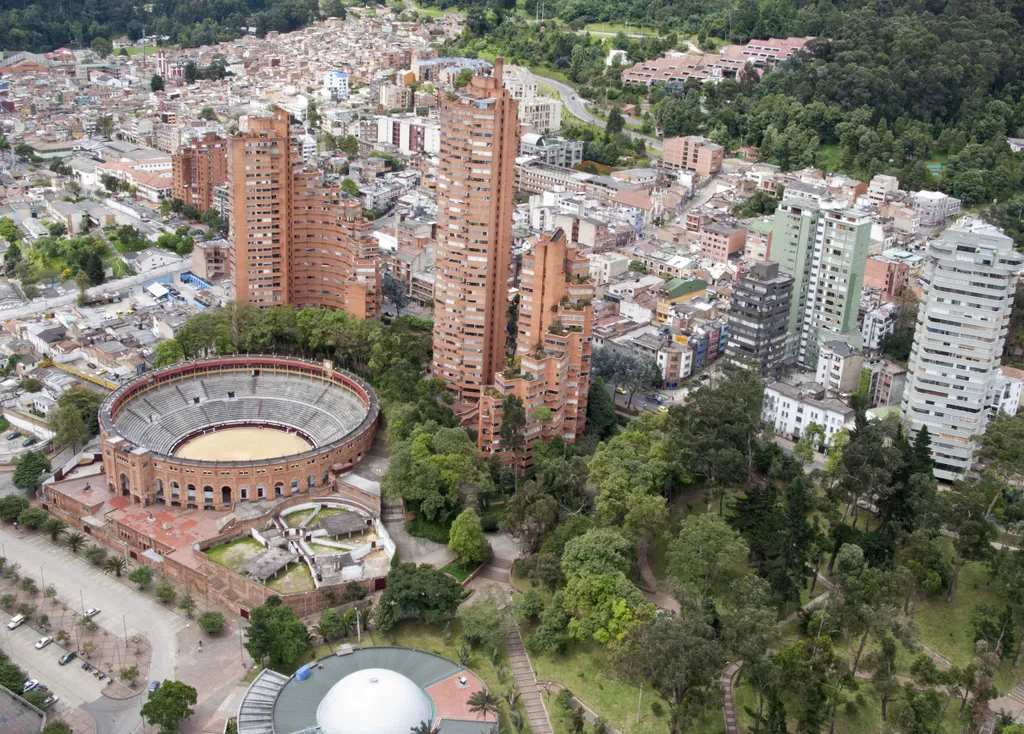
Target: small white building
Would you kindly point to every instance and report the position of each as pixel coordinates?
(336, 85)
(608, 265)
(878, 324)
(791, 408)
(838, 368)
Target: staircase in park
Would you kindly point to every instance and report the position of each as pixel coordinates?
(497, 569)
(526, 681)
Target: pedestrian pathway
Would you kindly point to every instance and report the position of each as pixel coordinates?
(526, 681)
(497, 569)
(657, 597)
(729, 701)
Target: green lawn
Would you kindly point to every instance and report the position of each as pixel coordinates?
(296, 577)
(294, 519)
(557, 74)
(460, 570)
(332, 511)
(234, 554)
(614, 28)
(136, 50)
(589, 674)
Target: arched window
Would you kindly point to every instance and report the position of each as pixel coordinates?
(225, 495)
(310, 481)
(278, 489)
(175, 490)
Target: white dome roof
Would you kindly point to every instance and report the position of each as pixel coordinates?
(373, 701)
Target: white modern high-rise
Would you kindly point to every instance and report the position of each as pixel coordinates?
(823, 246)
(954, 382)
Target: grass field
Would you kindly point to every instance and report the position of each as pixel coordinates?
(331, 512)
(613, 28)
(294, 519)
(460, 570)
(296, 577)
(234, 554)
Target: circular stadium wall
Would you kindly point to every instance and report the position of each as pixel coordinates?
(215, 432)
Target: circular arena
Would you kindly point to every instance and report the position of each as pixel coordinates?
(214, 432)
(375, 690)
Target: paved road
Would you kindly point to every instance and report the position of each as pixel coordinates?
(70, 683)
(577, 106)
(78, 581)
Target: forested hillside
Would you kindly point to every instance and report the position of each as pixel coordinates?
(928, 91)
(43, 25)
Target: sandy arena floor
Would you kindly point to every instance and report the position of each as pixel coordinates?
(242, 444)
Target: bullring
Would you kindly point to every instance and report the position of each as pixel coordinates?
(212, 433)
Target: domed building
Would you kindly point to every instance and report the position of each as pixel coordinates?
(378, 690)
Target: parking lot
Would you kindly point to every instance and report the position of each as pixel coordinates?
(72, 685)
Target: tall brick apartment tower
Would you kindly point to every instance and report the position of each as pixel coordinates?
(198, 168)
(295, 239)
(479, 137)
(551, 369)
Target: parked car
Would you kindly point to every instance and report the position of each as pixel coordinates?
(620, 390)
(43, 642)
(154, 685)
(662, 409)
(67, 657)
(29, 441)
(16, 622)
(29, 685)
(13, 435)
(90, 613)
(50, 701)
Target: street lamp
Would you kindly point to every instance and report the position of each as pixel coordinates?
(42, 578)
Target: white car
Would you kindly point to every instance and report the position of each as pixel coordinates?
(91, 613)
(43, 642)
(16, 622)
(29, 685)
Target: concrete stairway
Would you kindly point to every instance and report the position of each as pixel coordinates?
(536, 713)
(498, 569)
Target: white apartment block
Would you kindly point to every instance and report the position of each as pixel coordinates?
(543, 114)
(607, 265)
(839, 367)
(955, 384)
(791, 408)
(878, 323)
(934, 207)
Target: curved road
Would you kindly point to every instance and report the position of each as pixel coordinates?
(577, 106)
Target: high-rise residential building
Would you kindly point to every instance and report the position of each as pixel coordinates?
(550, 372)
(475, 187)
(294, 238)
(954, 383)
(823, 246)
(198, 169)
(759, 319)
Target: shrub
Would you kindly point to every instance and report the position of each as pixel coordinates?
(564, 699)
(657, 709)
(354, 591)
(437, 532)
(143, 576)
(32, 518)
(7, 601)
(211, 622)
(165, 592)
(96, 556)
